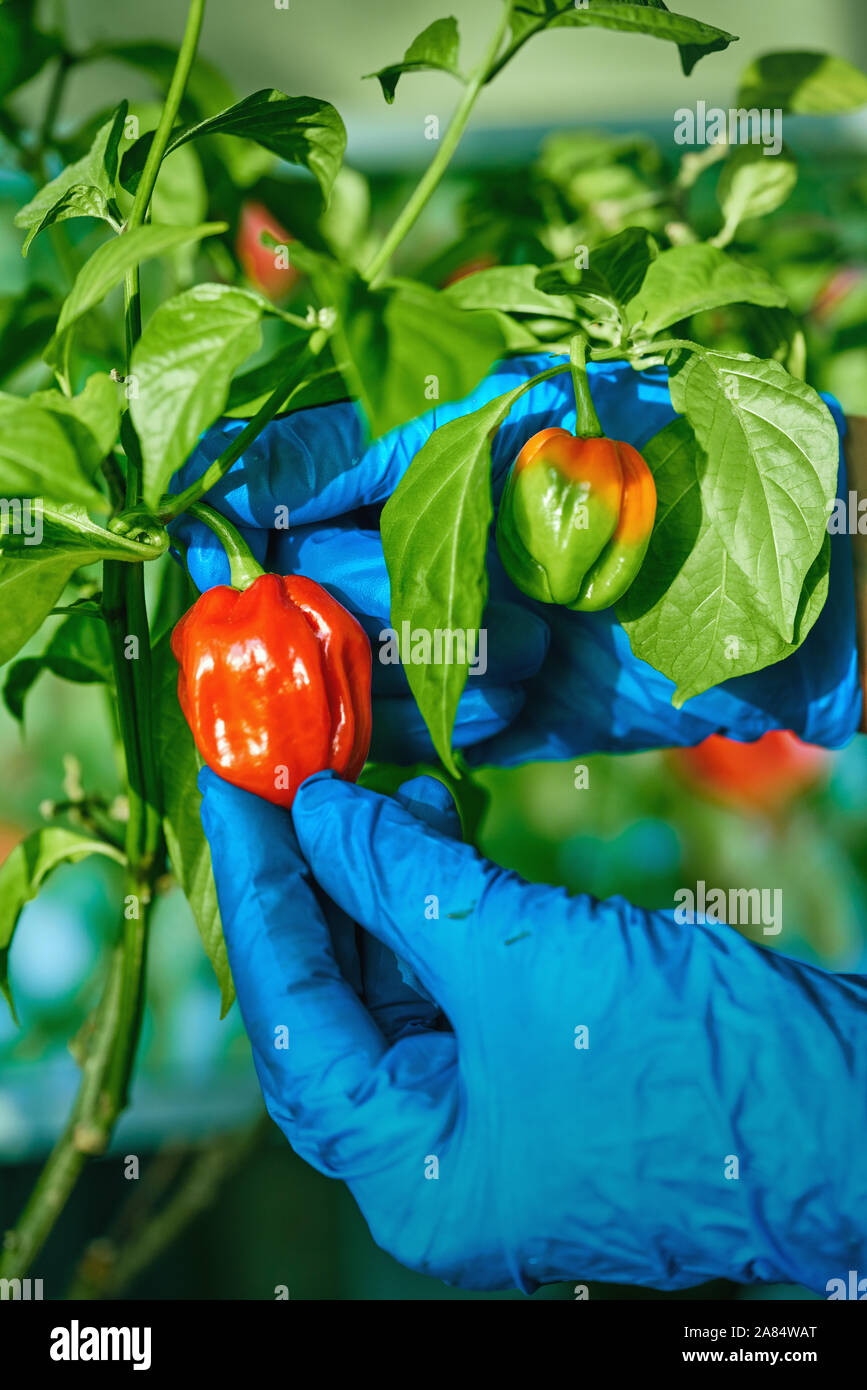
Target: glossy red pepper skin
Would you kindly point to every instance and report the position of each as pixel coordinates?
(274, 683)
(575, 519)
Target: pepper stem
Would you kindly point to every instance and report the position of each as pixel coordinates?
(587, 424)
(243, 565)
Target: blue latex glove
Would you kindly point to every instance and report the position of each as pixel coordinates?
(553, 1162)
(590, 692)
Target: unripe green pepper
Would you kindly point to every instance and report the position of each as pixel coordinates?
(575, 519)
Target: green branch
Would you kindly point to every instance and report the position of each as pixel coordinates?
(411, 211)
(244, 568)
(516, 45)
(138, 213)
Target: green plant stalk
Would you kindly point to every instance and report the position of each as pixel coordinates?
(587, 424)
(126, 617)
(198, 1190)
(86, 1132)
(110, 1054)
(497, 64)
(244, 568)
(417, 201)
(141, 202)
(171, 505)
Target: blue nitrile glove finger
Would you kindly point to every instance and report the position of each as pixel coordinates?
(391, 992)
(326, 1069)
(630, 1099)
(390, 989)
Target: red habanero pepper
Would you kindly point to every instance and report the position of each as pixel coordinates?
(274, 683)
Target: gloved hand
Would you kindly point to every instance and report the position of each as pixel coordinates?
(704, 1130)
(559, 683)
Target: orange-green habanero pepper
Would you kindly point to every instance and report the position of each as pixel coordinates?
(575, 520)
(274, 682)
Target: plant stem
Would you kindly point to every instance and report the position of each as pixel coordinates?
(126, 615)
(172, 505)
(409, 214)
(186, 55)
(497, 66)
(106, 1271)
(244, 568)
(109, 1056)
(587, 424)
(138, 212)
(86, 1132)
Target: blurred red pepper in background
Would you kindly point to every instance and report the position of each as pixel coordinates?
(764, 776)
(260, 263)
(835, 290)
(468, 268)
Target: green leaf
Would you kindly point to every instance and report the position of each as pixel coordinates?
(95, 409)
(24, 49)
(615, 272)
(407, 346)
(300, 130)
(183, 365)
(25, 870)
(207, 91)
(188, 850)
(109, 264)
(693, 37)
(78, 651)
(51, 445)
(688, 279)
(510, 288)
(435, 536)
(435, 49)
(26, 323)
(343, 223)
(751, 184)
(692, 613)
(180, 197)
(33, 576)
(803, 83)
(82, 189)
(769, 472)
